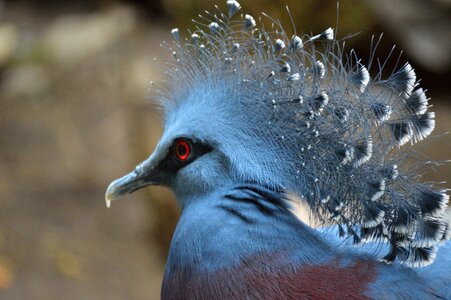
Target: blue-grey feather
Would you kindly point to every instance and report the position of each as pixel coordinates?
(312, 123)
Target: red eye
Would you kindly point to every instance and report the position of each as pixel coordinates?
(182, 150)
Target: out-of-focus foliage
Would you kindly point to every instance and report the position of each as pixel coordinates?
(423, 28)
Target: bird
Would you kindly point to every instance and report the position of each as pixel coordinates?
(257, 121)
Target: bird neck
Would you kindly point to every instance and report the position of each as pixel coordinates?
(226, 228)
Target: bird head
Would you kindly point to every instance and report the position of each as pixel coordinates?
(207, 143)
(223, 122)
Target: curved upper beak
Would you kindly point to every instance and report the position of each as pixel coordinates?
(144, 174)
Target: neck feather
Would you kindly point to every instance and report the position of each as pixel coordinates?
(226, 228)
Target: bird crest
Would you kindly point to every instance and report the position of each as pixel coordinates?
(299, 114)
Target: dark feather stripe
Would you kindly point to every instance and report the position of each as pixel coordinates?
(270, 196)
(264, 200)
(237, 214)
(253, 201)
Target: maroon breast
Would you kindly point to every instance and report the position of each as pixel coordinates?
(261, 278)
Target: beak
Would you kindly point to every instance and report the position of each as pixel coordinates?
(144, 174)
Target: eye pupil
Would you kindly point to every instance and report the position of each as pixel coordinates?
(182, 150)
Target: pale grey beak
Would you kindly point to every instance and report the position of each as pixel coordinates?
(144, 174)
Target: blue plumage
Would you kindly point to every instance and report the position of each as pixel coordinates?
(253, 118)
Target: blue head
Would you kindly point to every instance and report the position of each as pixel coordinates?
(225, 140)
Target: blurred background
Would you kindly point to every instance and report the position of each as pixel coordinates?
(74, 115)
